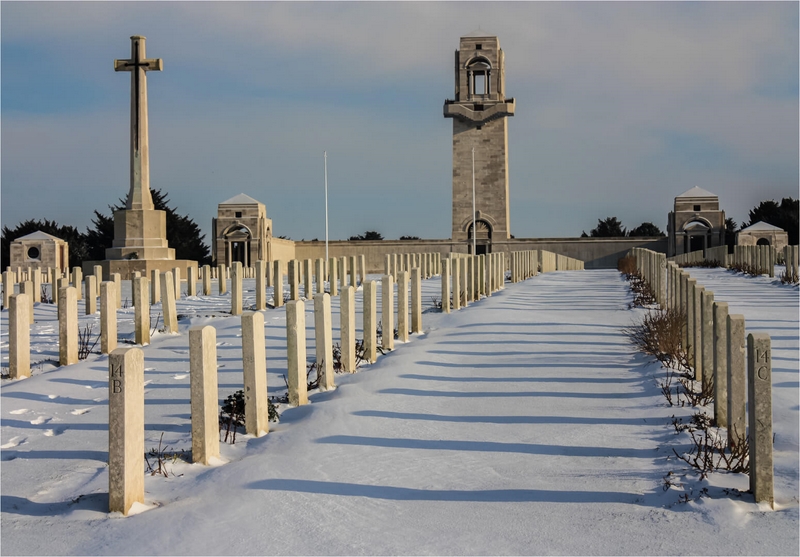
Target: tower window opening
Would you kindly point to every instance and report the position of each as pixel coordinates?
(697, 207)
(479, 85)
(238, 214)
(478, 46)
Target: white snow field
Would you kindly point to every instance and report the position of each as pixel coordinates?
(523, 424)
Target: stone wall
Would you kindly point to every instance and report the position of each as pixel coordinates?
(596, 253)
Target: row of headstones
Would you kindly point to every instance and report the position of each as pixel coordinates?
(650, 266)
(715, 344)
(468, 277)
(430, 264)
(126, 373)
(157, 287)
(21, 309)
(760, 258)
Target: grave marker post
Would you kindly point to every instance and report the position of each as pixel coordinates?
(737, 380)
(254, 367)
(168, 309)
(446, 286)
(369, 321)
(296, 352)
(125, 429)
(108, 317)
(759, 410)
(19, 337)
(387, 312)
(155, 287)
(347, 326)
(90, 289)
(204, 393)
(277, 284)
(323, 340)
(67, 326)
(261, 285)
(141, 314)
(416, 301)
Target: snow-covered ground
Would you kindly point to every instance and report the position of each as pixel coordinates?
(523, 424)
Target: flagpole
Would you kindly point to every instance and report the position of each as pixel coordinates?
(474, 231)
(325, 157)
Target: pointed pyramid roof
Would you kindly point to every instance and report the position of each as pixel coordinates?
(240, 199)
(762, 226)
(39, 235)
(697, 192)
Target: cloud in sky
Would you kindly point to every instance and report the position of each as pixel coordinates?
(620, 107)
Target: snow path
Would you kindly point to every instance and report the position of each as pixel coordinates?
(523, 424)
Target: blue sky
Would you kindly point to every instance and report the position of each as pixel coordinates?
(620, 107)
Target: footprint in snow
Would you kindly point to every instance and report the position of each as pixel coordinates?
(40, 420)
(79, 411)
(181, 351)
(55, 431)
(149, 369)
(178, 376)
(51, 397)
(148, 381)
(20, 411)
(14, 442)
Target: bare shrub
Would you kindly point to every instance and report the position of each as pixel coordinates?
(701, 397)
(789, 277)
(162, 456)
(627, 266)
(709, 263)
(710, 452)
(745, 268)
(659, 334)
(86, 341)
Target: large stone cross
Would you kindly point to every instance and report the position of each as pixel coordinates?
(139, 195)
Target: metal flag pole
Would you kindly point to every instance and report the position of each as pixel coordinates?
(325, 158)
(474, 232)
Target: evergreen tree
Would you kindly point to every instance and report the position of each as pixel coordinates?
(783, 215)
(646, 229)
(368, 235)
(608, 228)
(730, 234)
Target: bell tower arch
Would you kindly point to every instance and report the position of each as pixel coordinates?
(480, 112)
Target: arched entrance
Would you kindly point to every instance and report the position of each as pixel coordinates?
(696, 236)
(483, 237)
(762, 242)
(237, 245)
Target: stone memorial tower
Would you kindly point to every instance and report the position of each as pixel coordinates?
(480, 114)
(696, 223)
(140, 231)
